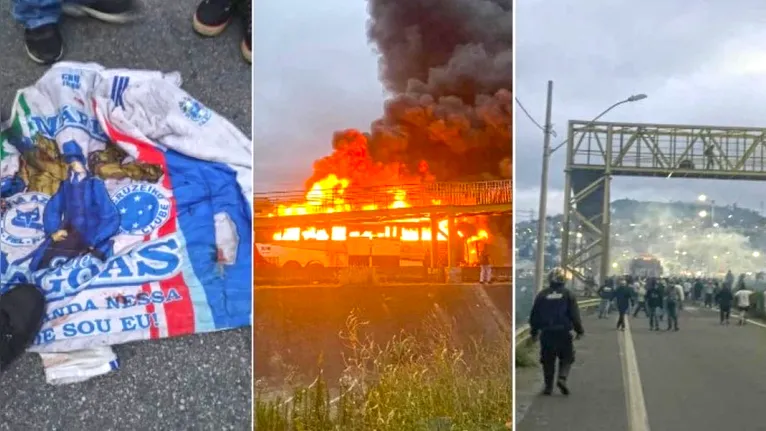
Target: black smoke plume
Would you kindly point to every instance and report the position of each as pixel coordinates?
(448, 66)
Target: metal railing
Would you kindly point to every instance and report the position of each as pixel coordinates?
(496, 192)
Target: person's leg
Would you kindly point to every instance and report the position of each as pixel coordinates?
(722, 314)
(213, 16)
(566, 359)
(652, 318)
(548, 361)
(621, 319)
(21, 315)
(247, 53)
(42, 38)
(602, 308)
(112, 11)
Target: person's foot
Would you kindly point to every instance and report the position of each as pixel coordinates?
(562, 385)
(213, 16)
(21, 315)
(246, 46)
(547, 391)
(111, 11)
(44, 44)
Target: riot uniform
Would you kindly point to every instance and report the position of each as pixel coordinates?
(554, 315)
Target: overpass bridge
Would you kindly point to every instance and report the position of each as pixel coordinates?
(383, 203)
(704, 377)
(598, 151)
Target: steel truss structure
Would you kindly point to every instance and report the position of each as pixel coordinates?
(596, 151)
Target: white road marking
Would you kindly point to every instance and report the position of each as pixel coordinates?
(634, 393)
(735, 314)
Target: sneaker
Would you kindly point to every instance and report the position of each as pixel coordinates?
(21, 316)
(247, 40)
(562, 385)
(212, 17)
(44, 44)
(111, 11)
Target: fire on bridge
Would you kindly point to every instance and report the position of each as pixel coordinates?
(391, 226)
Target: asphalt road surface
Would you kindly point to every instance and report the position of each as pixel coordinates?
(196, 382)
(704, 377)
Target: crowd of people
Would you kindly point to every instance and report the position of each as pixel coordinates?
(661, 298)
(555, 312)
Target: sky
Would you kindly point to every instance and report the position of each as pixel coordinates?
(314, 73)
(701, 65)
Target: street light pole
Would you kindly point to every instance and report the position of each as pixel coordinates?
(540, 258)
(547, 151)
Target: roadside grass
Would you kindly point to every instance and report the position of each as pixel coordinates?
(427, 383)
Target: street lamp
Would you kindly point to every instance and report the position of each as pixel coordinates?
(547, 151)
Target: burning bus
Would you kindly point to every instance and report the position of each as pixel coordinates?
(381, 240)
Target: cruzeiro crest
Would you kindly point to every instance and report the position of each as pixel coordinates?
(195, 111)
(143, 208)
(22, 223)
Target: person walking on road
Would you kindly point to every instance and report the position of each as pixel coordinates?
(554, 315)
(40, 18)
(673, 299)
(623, 296)
(654, 303)
(213, 16)
(641, 299)
(606, 293)
(742, 297)
(485, 267)
(724, 298)
(709, 289)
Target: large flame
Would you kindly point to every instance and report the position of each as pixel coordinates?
(328, 195)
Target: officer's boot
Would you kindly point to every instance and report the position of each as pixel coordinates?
(549, 371)
(561, 383)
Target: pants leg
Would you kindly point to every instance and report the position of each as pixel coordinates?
(602, 308)
(548, 354)
(566, 355)
(485, 274)
(653, 323)
(36, 13)
(722, 314)
(672, 316)
(621, 318)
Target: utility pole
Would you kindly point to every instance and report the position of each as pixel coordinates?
(542, 211)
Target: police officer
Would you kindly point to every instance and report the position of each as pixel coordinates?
(554, 315)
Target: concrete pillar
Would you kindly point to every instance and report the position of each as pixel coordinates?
(434, 242)
(450, 241)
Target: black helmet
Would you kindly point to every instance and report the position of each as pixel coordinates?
(557, 276)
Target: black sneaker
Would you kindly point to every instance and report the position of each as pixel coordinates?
(562, 385)
(212, 17)
(21, 316)
(111, 11)
(44, 44)
(247, 40)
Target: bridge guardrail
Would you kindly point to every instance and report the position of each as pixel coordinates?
(522, 333)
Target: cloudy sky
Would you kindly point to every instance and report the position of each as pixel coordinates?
(314, 73)
(699, 65)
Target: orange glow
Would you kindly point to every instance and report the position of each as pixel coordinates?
(329, 195)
